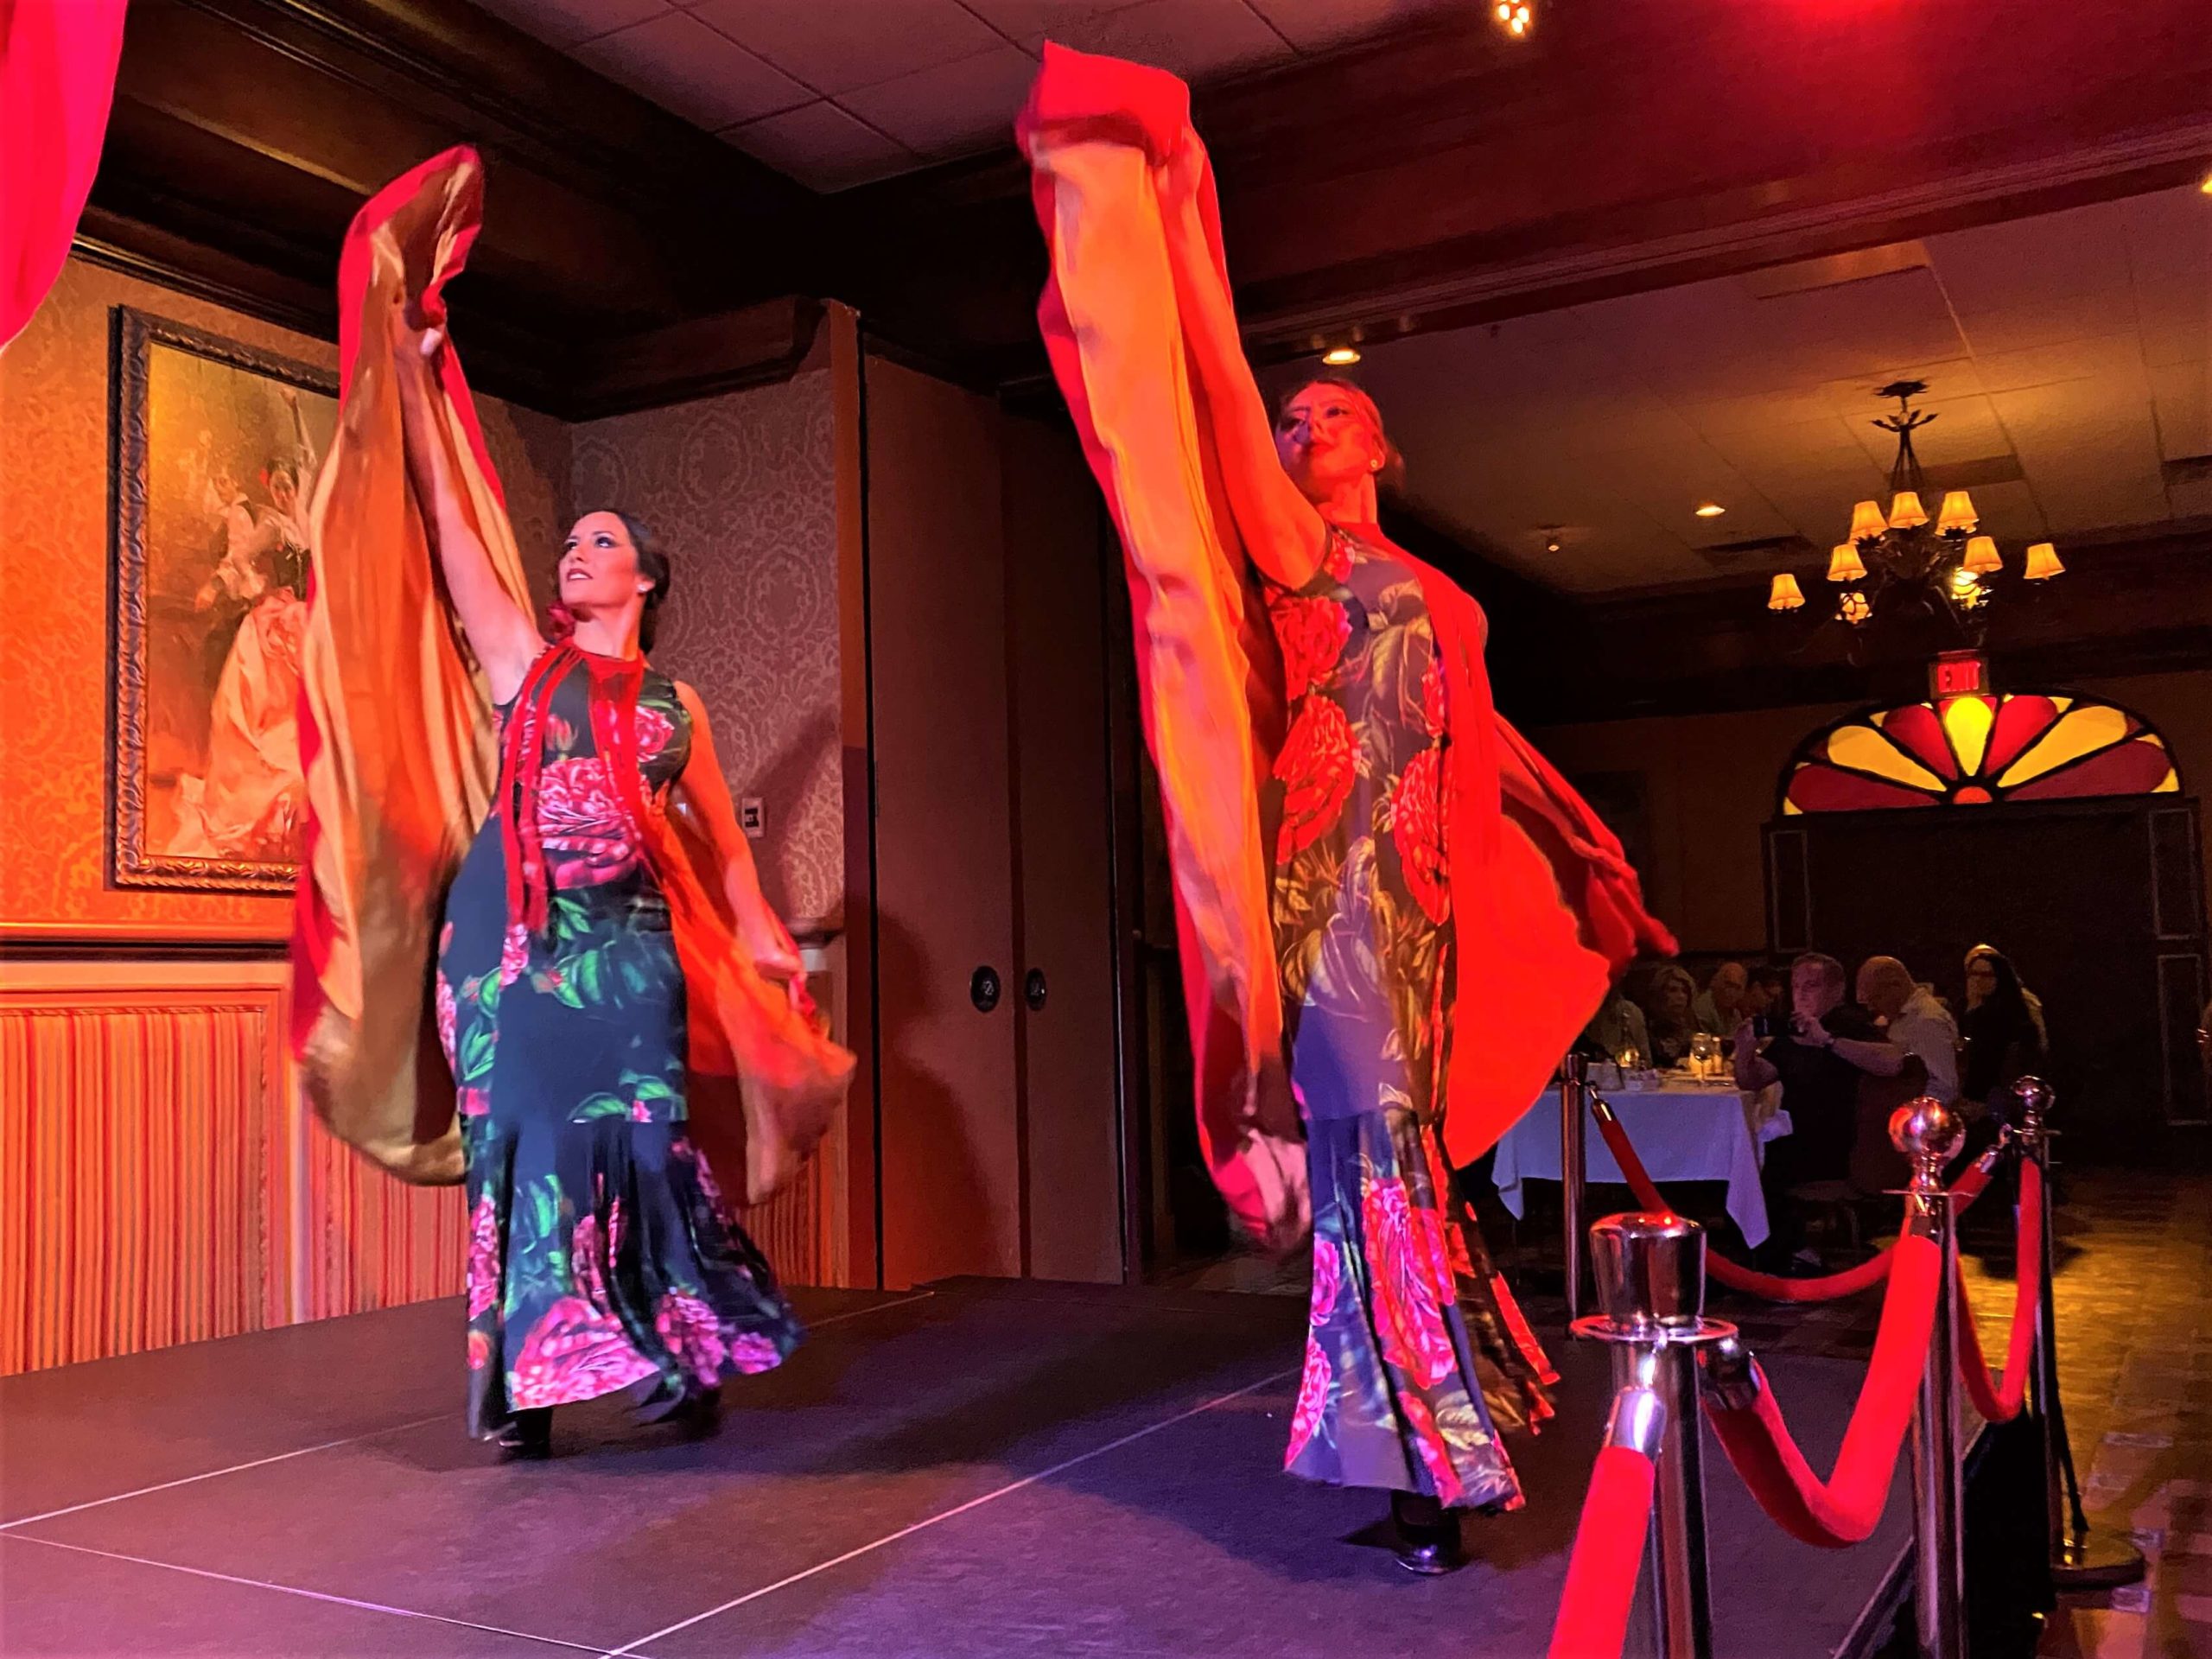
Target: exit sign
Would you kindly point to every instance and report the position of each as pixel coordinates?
(1958, 674)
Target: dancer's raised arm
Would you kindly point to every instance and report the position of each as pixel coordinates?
(1282, 530)
(499, 631)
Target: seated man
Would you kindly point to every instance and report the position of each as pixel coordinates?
(1819, 1089)
(1916, 1023)
(1720, 1006)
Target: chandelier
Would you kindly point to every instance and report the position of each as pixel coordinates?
(1903, 564)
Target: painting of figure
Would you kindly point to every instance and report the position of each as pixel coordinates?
(216, 451)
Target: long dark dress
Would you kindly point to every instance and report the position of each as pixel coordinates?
(1393, 1392)
(601, 1254)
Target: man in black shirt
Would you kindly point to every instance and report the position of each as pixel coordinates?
(1820, 1085)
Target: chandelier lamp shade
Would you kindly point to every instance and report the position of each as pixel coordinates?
(1900, 562)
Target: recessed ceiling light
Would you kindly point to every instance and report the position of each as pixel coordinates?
(1341, 357)
(1711, 510)
(2207, 186)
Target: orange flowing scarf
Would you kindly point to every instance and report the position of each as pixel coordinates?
(396, 739)
(1549, 911)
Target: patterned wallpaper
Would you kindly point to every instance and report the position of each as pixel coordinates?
(741, 490)
(54, 675)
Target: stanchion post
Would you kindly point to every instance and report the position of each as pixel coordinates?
(1928, 1134)
(1650, 1275)
(2078, 1560)
(1574, 1173)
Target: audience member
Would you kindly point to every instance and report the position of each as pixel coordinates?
(1719, 1006)
(1768, 994)
(1820, 1081)
(1915, 1024)
(1667, 1002)
(1616, 1034)
(2002, 1032)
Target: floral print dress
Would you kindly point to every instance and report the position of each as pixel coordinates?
(601, 1254)
(1393, 1392)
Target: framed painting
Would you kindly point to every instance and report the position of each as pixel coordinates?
(213, 452)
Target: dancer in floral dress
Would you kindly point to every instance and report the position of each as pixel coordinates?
(1392, 1391)
(602, 1255)
(1442, 912)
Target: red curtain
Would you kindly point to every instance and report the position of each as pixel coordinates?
(57, 78)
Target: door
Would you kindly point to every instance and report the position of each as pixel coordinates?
(994, 969)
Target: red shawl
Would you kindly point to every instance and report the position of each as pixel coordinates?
(1548, 910)
(57, 78)
(396, 740)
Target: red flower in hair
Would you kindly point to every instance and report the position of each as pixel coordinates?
(1316, 768)
(1417, 825)
(1312, 633)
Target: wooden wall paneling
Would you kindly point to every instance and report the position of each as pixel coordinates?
(145, 1145)
(1063, 853)
(1461, 177)
(857, 1252)
(949, 1153)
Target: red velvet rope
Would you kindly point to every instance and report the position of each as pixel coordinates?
(1768, 1286)
(2000, 1403)
(1844, 1509)
(1593, 1604)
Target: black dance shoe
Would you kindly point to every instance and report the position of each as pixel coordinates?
(527, 1435)
(694, 1410)
(1429, 1536)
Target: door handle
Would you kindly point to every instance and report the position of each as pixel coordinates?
(984, 988)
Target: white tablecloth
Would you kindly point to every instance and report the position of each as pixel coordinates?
(1682, 1131)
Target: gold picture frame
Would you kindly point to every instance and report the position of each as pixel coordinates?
(214, 447)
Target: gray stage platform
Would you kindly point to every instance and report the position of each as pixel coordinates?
(979, 1469)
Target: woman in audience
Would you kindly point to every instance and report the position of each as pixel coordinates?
(1667, 1003)
(2002, 1035)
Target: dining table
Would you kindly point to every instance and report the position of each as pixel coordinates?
(1684, 1128)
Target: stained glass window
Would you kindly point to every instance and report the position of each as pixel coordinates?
(1971, 751)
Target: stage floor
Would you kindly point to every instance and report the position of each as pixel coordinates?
(976, 1469)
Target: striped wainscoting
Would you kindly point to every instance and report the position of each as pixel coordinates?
(145, 1165)
(160, 1183)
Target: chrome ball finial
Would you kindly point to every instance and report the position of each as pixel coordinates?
(1928, 1134)
(2034, 1096)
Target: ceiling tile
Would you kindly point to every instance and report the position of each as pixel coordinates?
(2106, 356)
(566, 22)
(1194, 38)
(2011, 513)
(2182, 399)
(2170, 231)
(684, 65)
(1757, 422)
(834, 49)
(1964, 428)
(2175, 301)
(1999, 267)
(2049, 322)
(822, 146)
(954, 107)
(1032, 20)
(1317, 25)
